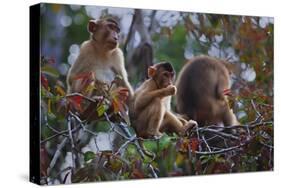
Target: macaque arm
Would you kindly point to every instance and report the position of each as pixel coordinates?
(119, 67)
(145, 98)
(78, 67)
(125, 82)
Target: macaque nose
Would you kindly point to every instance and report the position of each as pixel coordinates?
(115, 36)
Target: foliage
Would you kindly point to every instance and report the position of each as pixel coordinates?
(74, 126)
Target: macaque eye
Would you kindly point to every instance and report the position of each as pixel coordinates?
(114, 28)
(166, 74)
(117, 29)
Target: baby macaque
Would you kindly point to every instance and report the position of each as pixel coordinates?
(151, 114)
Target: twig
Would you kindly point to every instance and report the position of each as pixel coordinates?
(221, 128)
(220, 151)
(206, 143)
(56, 155)
(59, 134)
(132, 139)
(256, 110)
(55, 130)
(112, 125)
(50, 138)
(266, 145)
(226, 135)
(69, 118)
(123, 146)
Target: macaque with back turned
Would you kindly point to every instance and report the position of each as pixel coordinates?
(150, 109)
(203, 86)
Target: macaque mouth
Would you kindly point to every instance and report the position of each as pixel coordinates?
(167, 84)
(113, 43)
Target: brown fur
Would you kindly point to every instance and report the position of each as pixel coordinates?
(101, 56)
(200, 96)
(150, 107)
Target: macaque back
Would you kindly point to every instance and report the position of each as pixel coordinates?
(201, 85)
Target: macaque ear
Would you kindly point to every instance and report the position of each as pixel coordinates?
(151, 71)
(92, 26)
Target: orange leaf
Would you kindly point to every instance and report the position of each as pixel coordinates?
(115, 105)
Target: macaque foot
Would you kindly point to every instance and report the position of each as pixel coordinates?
(155, 135)
(189, 125)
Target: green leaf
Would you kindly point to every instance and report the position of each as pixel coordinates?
(51, 116)
(89, 155)
(101, 109)
(51, 71)
(164, 142)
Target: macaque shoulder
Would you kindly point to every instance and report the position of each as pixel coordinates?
(118, 56)
(117, 62)
(86, 47)
(145, 87)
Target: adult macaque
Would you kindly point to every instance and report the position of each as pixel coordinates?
(100, 56)
(203, 84)
(150, 107)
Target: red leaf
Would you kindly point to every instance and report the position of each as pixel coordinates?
(51, 60)
(119, 97)
(194, 143)
(44, 81)
(85, 79)
(76, 102)
(137, 174)
(227, 92)
(123, 93)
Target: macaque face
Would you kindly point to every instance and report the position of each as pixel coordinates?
(165, 78)
(163, 74)
(105, 32)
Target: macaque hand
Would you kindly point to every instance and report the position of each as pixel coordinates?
(171, 90)
(123, 93)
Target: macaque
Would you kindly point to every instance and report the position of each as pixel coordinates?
(203, 84)
(100, 57)
(151, 115)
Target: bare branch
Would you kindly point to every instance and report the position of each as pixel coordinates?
(206, 143)
(69, 119)
(59, 134)
(56, 155)
(220, 151)
(226, 135)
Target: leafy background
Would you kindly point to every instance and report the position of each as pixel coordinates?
(246, 42)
